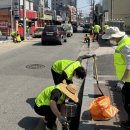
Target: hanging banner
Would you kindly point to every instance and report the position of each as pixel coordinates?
(15, 8)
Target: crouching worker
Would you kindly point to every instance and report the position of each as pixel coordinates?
(51, 103)
(68, 70)
(18, 38)
(87, 39)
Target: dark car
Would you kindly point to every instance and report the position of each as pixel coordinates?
(74, 28)
(87, 28)
(53, 34)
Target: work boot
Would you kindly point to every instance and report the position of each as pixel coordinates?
(47, 128)
(125, 124)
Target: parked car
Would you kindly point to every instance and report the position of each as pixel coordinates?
(75, 26)
(38, 32)
(69, 29)
(81, 24)
(87, 28)
(53, 34)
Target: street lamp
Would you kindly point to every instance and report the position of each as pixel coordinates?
(93, 11)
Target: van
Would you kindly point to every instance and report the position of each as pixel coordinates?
(69, 29)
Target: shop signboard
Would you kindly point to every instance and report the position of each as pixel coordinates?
(4, 27)
(15, 8)
(3, 24)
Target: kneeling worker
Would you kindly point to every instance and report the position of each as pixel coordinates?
(51, 102)
(68, 69)
(18, 38)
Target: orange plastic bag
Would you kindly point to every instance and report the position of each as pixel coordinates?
(101, 109)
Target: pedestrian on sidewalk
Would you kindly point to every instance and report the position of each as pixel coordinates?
(122, 66)
(68, 70)
(51, 103)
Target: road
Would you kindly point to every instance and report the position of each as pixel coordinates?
(20, 84)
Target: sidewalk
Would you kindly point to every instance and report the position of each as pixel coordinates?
(106, 83)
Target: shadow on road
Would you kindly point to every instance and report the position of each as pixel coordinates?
(31, 101)
(29, 123)
(47, 44)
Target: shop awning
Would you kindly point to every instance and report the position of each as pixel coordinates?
(30, 14)
(47, 17)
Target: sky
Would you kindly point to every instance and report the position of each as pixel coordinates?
(83, 5)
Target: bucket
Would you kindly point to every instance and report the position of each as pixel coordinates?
(71, 109)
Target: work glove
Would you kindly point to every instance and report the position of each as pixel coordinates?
(119, 86)
(62, 120)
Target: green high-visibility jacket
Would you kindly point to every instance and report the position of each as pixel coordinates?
(18, 38)
(68, 66)
(106, 27)
(119, 60)
(87, 36)
(97, 28)
(14, 34)
(44, 97)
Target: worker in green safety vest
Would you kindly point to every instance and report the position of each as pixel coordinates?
(122, 66)
(14, 35)
(87, 39)
(68, 70)
(51, 103)
(105, 27)
(96, 31)
(18, 38)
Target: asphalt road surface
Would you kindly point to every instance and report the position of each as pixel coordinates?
(24, 72)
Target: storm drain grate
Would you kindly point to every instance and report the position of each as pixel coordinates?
(35, 66)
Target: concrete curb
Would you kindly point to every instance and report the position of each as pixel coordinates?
(85, 118)
(88, 91)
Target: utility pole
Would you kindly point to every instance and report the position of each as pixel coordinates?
(93, 4)
(11, 13)
(24, 19)
(111, 9)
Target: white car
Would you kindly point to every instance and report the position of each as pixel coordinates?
(69, 29)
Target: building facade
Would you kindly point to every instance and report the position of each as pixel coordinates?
(55, 4)
(118, 10)
(11, 15)
(65, 9)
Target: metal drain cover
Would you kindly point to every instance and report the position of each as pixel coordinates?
(35, 66)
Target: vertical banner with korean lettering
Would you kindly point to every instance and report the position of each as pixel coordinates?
(15, 8)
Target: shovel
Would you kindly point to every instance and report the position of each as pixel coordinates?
(96, 75)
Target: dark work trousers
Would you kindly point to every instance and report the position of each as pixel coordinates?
(126, 98)
(96, 36)
(74, 121)
(55, 76)
(88, 41)
(47, 112)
